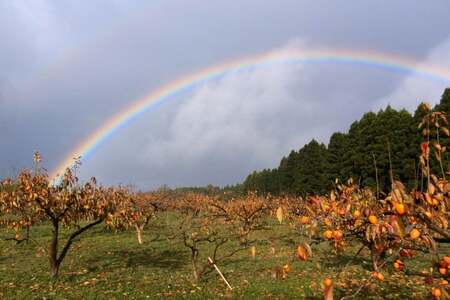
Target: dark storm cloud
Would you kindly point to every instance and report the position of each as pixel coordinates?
(67, 66)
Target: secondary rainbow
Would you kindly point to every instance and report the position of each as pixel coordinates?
(385, 61)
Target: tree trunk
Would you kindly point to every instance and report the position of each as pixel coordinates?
(194, 269)
(53, 251)
(139, 230)
(55, 270)
(194, 255)
(27, 234)
(375, 258)
(55, 260)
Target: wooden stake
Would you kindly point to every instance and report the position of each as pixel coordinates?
(391, 173)
(220, 273)
(376, 176)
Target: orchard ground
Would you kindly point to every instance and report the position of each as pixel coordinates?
(112, 265)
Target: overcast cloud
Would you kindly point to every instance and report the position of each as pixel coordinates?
(67, 66)
(414, 89)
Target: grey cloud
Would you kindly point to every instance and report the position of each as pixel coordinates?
(414, 89)
(67, 66)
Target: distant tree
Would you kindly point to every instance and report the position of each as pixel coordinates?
(369, 143)
(443, 106)
(338, 149)
(311, 174)
(287, 170)
(444, 103)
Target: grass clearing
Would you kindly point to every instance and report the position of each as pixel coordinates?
(107, 265)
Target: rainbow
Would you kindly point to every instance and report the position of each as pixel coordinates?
(386, 61)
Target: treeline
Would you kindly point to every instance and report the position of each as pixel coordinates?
(376, 147)
(224, 192)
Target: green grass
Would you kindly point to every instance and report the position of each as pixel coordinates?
(105, 265)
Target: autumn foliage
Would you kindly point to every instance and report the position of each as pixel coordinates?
(393, 228)
(32, 199)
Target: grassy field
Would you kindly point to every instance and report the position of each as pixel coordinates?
(106, 265)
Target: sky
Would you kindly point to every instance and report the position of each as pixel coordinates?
(66, 67)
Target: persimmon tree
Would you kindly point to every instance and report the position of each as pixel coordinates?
(138, 211)
(207, 224)
(33, 198)
(395, 227)
(143, 209)
(15, 214)
(244, 214)
(198, 231)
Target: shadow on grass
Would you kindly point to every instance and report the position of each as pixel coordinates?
(165, 259)
(348, 260)
(289, 242)
(3, 257)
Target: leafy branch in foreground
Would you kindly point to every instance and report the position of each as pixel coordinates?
(32, 198)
